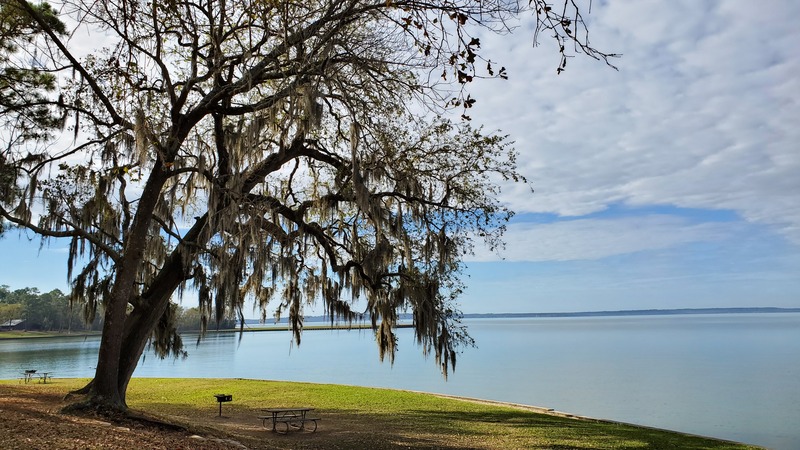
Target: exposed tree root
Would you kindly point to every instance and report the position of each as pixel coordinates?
(95, 406)
(98, 408)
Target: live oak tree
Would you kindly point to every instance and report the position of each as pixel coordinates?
(292, 152)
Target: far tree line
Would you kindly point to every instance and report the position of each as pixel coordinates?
(51, 311)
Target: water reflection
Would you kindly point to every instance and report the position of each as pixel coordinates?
(69, 357)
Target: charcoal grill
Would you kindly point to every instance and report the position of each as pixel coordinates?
(222, 398)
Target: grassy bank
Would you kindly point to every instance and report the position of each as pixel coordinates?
(44, 334)
(367, 418)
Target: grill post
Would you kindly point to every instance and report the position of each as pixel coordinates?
(221, 398)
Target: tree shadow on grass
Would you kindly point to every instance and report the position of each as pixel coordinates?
(524, 429)
(444, 429)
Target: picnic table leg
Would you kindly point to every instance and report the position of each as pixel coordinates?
(286, 430)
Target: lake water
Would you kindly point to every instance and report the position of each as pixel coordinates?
(731, 376)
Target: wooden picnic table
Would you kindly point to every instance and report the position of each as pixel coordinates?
(29, 375)
(289, 417)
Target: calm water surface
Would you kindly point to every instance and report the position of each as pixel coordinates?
(733, 376)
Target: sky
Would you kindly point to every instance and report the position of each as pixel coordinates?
(673, 182)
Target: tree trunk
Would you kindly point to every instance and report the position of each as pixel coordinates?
(144, 319)
(153, 304)
(104, 392)
(138, 329)
(124, 339)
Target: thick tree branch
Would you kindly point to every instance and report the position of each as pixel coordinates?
(74, 233)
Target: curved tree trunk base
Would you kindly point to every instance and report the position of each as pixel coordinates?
(82, 391)
(97, 406)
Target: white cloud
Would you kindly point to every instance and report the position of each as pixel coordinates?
(703, 113)
(591, 239)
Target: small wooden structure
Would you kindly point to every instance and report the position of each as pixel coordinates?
(12, 324)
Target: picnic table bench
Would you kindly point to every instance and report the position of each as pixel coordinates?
(289, 418)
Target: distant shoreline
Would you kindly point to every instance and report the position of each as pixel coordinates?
(634, 312)
(35, 334)
(640, 312)
(315, 322)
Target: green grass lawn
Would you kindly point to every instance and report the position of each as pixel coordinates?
(357, 417)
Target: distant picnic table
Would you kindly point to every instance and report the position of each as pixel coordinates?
(30, 374)
(283, 419)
